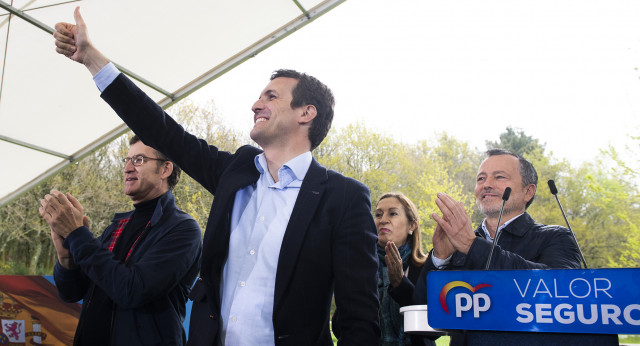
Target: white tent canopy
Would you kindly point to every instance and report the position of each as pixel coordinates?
(50, 112)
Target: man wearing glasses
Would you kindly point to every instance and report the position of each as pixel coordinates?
(134, 279)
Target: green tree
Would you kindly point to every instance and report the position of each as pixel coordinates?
(459, 161)
(515, 141)
(604, 216)
(27, 247)
(367, 156)
(626, 164)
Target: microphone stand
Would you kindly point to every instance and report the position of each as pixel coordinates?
(505, 198)
(554, 192)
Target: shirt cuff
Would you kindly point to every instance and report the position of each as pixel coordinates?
(106, 76)
(440, 263)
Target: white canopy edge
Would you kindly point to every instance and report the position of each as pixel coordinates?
(305, 18)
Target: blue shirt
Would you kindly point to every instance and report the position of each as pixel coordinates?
(106, 76)
(259, 219)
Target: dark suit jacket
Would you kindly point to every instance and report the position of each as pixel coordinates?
(330, 240)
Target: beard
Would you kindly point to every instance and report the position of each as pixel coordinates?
(493, 210)
(488, 211)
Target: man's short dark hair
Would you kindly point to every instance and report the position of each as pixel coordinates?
(174, 178)
(527, 171)
(310, 91)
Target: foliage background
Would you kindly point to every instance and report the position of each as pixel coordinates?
(600, 197)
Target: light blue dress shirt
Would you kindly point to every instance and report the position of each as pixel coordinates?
(259, 219)
(258, 222)
(106, 76)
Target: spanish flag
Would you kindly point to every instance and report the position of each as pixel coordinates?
(34, 300)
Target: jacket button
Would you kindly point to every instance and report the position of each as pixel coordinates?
(212, 317)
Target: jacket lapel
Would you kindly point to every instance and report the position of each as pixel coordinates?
(307, 203)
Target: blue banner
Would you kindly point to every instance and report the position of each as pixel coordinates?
(602, 301)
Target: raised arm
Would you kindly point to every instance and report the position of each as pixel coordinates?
(143, 115)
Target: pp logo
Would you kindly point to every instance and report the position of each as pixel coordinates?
(479, 302)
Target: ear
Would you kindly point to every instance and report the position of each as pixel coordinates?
(413, 227)
(529, 192)
(309, 113)
(167, 169)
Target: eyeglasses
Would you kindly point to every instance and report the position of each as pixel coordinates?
(139, 160)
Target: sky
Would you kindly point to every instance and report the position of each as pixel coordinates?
(565, 72)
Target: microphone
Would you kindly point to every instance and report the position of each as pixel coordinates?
(554, 191)
(505, 198)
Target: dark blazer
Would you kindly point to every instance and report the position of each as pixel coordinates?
(329, 243)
